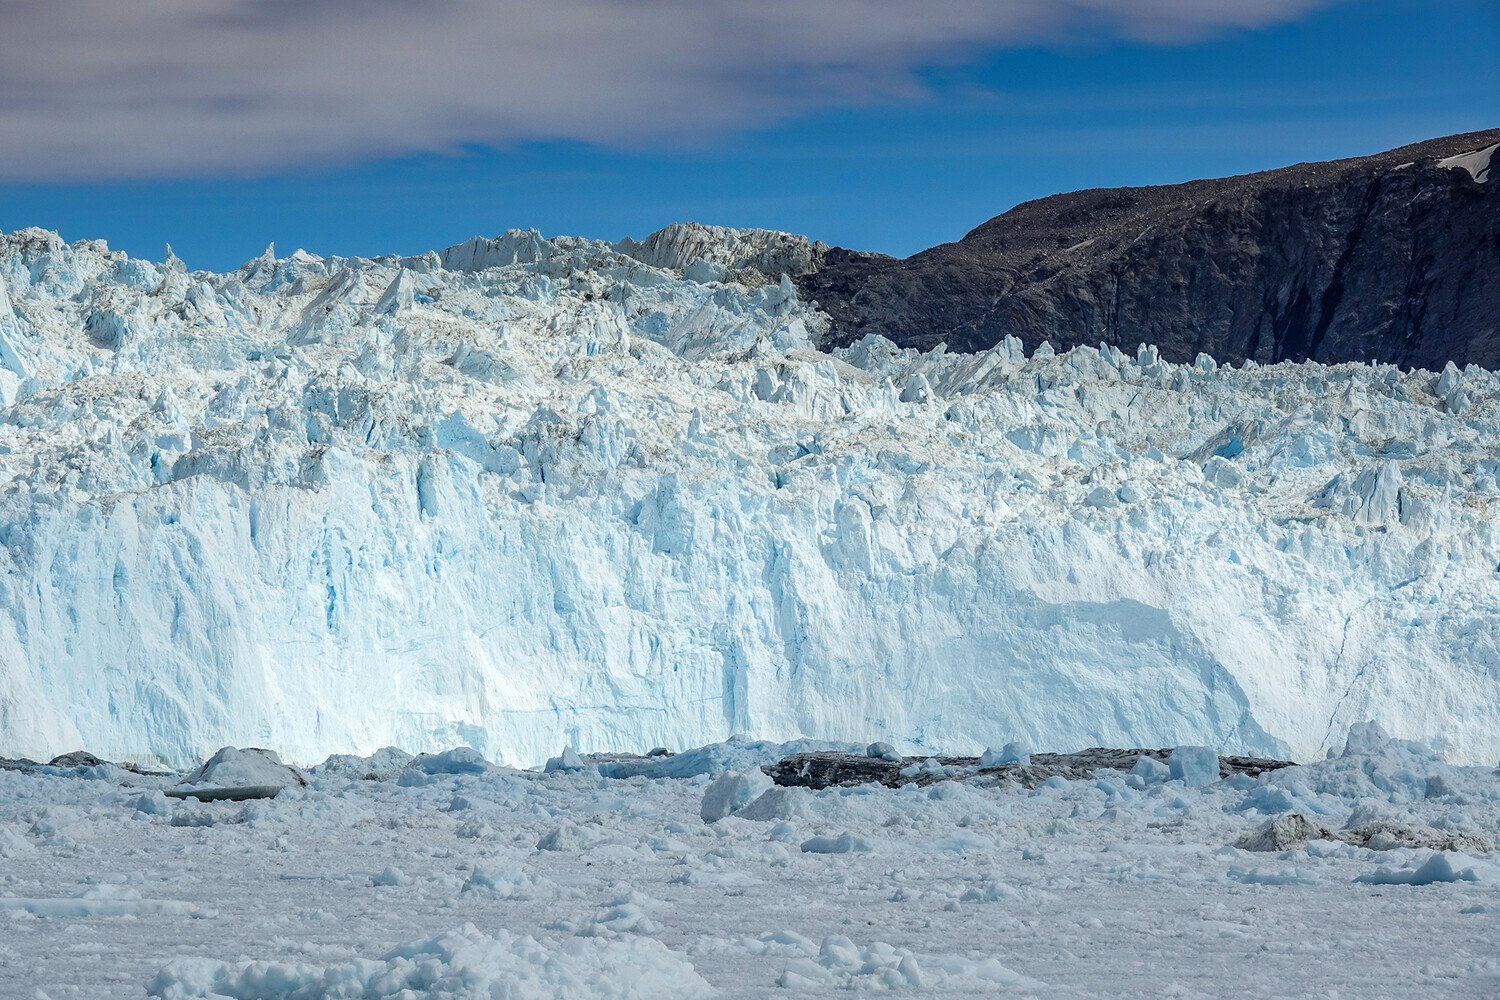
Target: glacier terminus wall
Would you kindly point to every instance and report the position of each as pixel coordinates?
(528, 492)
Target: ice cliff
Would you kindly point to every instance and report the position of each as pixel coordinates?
(527, 492)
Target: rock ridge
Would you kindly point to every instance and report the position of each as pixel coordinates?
(1393, 257)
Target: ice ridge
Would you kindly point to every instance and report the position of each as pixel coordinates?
(529, 492)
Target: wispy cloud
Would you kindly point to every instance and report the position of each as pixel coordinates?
(137, 88)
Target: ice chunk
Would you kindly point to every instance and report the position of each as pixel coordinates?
(963, 842)
(232, 767)
(917, 389)
(702, 272)
(101, 901)
(933, 768)
(152, 804)
(1222, 472)
(990, 891)
(501, 883)
(839, 964)
(399, 295)
(569, 837)
(1014, 752)
(784, 832)
(568, 760)
(1271, 876)
(459, 760)
(1437, 868)
(458, 964)
(732, 792)
(1366, 738)
(883, 751)
(1194, 765)
(390, 876)
(1378, 496)
(1101, 496)
(1148, 769)
(845, 844)
(385, 763)
(13, 844)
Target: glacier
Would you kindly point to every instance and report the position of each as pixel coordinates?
(529, 492)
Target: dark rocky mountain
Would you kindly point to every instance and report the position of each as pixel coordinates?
(1393, 257)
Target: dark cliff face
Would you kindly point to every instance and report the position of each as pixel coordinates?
(1394, 257)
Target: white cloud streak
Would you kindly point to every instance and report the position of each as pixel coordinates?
(100, 89)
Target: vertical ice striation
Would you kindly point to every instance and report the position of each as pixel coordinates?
(525, 493)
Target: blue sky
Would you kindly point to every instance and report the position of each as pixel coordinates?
(908, 149)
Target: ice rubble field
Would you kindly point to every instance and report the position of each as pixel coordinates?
(495, 883)
(526, 492)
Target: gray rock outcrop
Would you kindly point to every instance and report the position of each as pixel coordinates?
(1294, 830)
(1393, 257)
(827, 768)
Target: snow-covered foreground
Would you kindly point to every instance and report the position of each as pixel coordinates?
(526, 492)
(571, 885)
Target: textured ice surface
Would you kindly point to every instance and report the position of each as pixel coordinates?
(464, 964)
(508, 884)
(528, 493)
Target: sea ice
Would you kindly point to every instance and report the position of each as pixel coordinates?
(575, 884)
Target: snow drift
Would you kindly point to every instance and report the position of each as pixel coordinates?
(530, 492)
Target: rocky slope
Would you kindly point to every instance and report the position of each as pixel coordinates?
(1393, 257)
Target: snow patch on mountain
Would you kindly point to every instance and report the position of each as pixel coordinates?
(526, 493)
(1476, 163)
